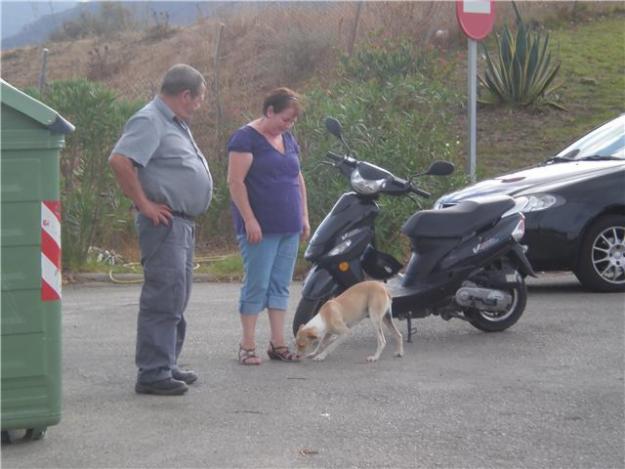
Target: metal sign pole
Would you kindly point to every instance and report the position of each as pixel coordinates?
(476, 19)
(472, 70)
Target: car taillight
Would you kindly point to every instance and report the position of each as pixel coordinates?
(519, 229)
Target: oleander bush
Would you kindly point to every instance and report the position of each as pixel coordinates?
(401, 123)
(94, 211)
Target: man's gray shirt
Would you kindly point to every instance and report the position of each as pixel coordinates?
(171, 168)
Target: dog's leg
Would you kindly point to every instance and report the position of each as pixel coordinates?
(388, 320)
(337, 339)
(377, 325)
(340, 331)
(326, 340)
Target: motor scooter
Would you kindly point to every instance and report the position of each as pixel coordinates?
(466, 261)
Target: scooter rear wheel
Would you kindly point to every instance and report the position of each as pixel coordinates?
(495, 322)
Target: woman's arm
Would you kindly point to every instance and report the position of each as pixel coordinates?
(238, 166)
(304, 197)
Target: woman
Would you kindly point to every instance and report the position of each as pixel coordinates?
(270, 215)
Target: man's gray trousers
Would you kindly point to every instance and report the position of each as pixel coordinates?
(167, 259)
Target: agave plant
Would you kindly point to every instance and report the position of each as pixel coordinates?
(522, 72)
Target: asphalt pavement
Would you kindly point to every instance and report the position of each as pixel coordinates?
(547, 393)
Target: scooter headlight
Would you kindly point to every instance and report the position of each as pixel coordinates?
(340, 248)
(365, 186)
(346, 241)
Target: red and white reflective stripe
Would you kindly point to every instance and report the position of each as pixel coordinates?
(51, 276)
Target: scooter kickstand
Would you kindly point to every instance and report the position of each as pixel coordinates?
(410, 330)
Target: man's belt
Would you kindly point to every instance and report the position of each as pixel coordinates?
(182, 215)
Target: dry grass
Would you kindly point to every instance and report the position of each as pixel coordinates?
(264, 45)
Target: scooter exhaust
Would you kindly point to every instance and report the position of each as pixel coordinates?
(484, 299)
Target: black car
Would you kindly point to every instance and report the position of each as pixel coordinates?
(575, 208)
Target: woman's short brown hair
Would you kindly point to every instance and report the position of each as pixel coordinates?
(281, 99)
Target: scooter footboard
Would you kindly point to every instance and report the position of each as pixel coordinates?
(319, 283)
(324, 281)
(319, 286)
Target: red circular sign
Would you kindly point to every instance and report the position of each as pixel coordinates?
(476, 17)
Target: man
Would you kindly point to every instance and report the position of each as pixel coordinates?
(161, 169)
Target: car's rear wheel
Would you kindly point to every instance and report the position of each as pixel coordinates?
(601, 266)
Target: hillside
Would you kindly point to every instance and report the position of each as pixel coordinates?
(264, 45)
(50, 16)
(252, 51)
(17, 15)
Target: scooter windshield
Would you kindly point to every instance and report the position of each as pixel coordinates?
(369, 179)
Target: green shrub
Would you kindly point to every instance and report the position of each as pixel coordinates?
(402, 125)
(386, 60)
(522, 73)
(94, 212)
(214, 228)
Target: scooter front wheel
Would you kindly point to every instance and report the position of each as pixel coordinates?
(306, 310)
(488, 321)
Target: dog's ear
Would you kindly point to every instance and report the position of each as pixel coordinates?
(300, 328)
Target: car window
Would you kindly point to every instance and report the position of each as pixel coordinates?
(607, 140)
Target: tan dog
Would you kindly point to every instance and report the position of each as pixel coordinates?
(331, 325)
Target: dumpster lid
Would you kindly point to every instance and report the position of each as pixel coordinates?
(34, 109)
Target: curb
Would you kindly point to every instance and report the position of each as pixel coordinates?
(85, 277)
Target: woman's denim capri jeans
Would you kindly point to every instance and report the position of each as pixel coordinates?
(269, 269)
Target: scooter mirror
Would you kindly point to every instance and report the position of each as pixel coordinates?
(440, 168)
(334, 127)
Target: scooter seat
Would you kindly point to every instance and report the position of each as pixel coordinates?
(459, 220)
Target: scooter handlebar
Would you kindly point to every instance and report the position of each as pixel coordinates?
(342, 159)
(420, 192)
(347, 163)
(335, 157)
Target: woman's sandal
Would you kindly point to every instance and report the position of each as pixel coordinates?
(282, 353)
(248, 357)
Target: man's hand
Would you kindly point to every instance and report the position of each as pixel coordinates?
(158, 213)
(126, 176)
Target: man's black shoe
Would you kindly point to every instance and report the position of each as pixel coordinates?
(188, 376)
(165, 387)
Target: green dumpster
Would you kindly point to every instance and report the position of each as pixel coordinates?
(31, 139)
